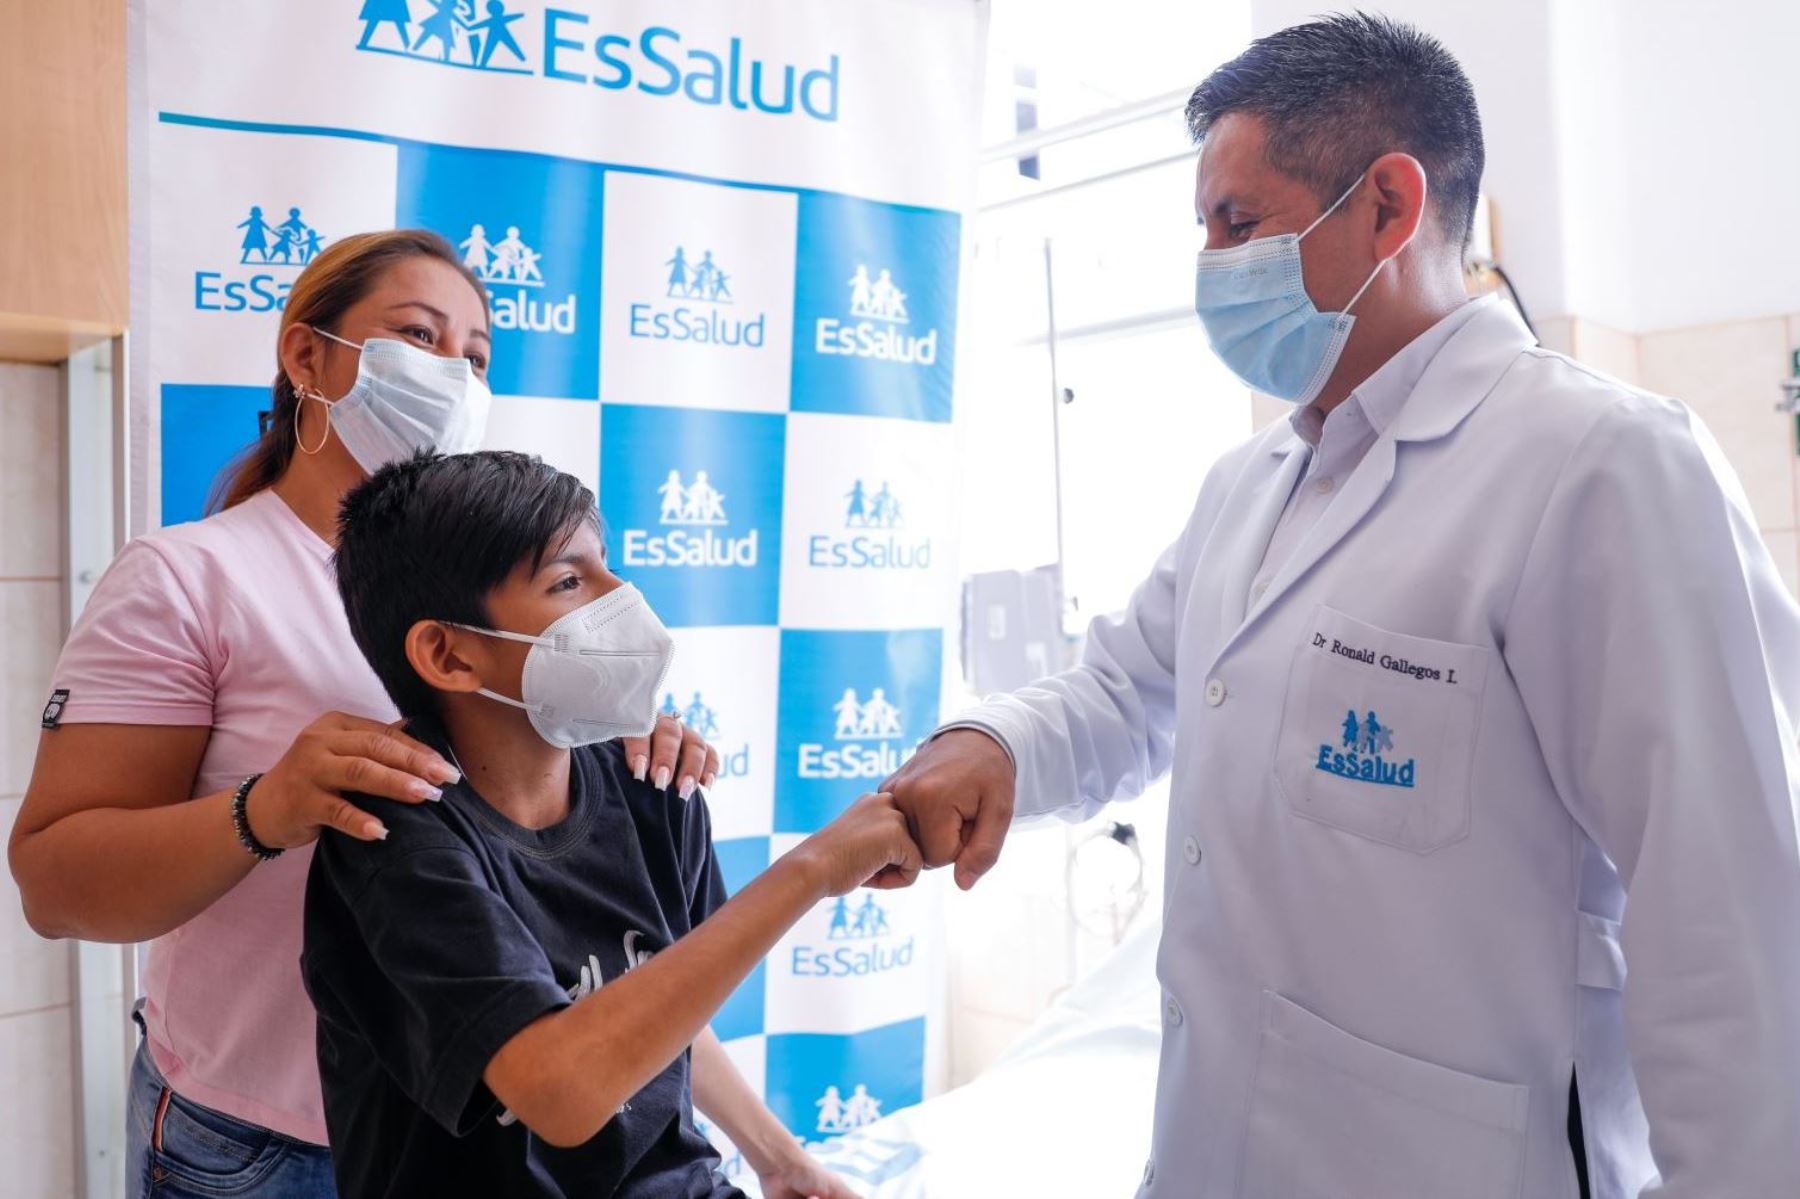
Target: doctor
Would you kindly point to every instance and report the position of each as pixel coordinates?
(1473, 649)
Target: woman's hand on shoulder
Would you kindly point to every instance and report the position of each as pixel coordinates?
(304, 792)
(672, 752)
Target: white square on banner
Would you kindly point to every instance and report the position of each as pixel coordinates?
(697, 294)
(865, 523)
(564, 433)
(859, 961)
(233, 218)
(723, 687)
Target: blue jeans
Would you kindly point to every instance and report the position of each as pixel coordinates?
(176, 1149)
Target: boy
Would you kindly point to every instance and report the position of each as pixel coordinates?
(510, 981)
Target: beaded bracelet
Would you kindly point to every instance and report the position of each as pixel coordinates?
(241, 823)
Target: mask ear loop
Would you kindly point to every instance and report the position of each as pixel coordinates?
(301, 395)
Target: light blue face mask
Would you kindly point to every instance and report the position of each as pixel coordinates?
(1260, 321)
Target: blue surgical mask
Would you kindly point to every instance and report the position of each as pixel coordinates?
(1253, 304)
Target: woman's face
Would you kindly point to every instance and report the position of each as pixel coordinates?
(421, 301)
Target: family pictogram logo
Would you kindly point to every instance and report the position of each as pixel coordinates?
(1365, 753)
(693, 307)
(877, 312)
(840, 1115)
(511, 267)
(877, 516)
(264, 243)
(454, 33)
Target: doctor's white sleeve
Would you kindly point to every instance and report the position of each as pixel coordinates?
(1105, 728)
(1658, 655)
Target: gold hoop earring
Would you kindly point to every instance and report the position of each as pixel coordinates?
(301, 395)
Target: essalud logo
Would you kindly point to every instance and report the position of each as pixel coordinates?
(1366, 754)
(252, 284)
(698, 715)
(694, 529)
(878, 325)
(510, 269)
(838, 1114)
(866, 740)
(484, 35)
(860, 942)
(696, 307)
(873, 536)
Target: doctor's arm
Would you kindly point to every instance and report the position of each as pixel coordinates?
(1070, 743)
(1658, 656)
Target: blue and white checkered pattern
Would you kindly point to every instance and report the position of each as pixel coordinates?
(759, 381)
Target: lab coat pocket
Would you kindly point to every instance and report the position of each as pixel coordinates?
(1334, 1116)
(1378, 732)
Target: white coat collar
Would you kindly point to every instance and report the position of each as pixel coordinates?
(1423, 396)
(1455, 381)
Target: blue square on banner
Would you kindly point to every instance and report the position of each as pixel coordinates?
(529, 225)
(853, 706)
(826, 1084)
(741, 860)
(691, 501)
(204, 426)
(874, 308)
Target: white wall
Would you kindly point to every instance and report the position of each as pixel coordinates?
(1712, 147)
(37, 1105)
(1641, 153)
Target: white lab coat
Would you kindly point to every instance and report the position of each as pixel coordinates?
(1584, 670)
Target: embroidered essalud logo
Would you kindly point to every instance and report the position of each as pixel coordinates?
(1367, 754)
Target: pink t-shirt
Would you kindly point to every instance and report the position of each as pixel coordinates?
(233, 622)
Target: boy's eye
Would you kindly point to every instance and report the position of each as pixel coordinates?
(566, 583)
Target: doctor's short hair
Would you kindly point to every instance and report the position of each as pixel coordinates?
(1337, 93)
(430, 538)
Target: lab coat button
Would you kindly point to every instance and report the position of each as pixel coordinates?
(1172, 1011)
(1215, 692)
(1324, 485)
(1149, 1171)
(1190, 849)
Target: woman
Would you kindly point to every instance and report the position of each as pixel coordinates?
(206, 655)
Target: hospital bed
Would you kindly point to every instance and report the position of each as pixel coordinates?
(1064, 1114)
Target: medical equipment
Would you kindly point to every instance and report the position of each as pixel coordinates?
(1104, 881)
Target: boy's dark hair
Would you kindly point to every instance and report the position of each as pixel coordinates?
(1337, 93)
(430, 537)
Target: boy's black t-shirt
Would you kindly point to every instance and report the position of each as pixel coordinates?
(427, 952)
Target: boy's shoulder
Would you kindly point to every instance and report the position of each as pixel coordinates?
(412, 829)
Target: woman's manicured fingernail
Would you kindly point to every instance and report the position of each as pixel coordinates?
(640, 767)
(426, 791)
(687, 786)
(376, 829)
(708, 781)
(662, 778)
(447, 773)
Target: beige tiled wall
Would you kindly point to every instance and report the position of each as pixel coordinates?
(37, 1106)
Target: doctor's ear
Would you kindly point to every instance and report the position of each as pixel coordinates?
(1401, 193)
(442, 656)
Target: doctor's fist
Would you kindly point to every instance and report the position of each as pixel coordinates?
(957, 794)
(869, 843)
